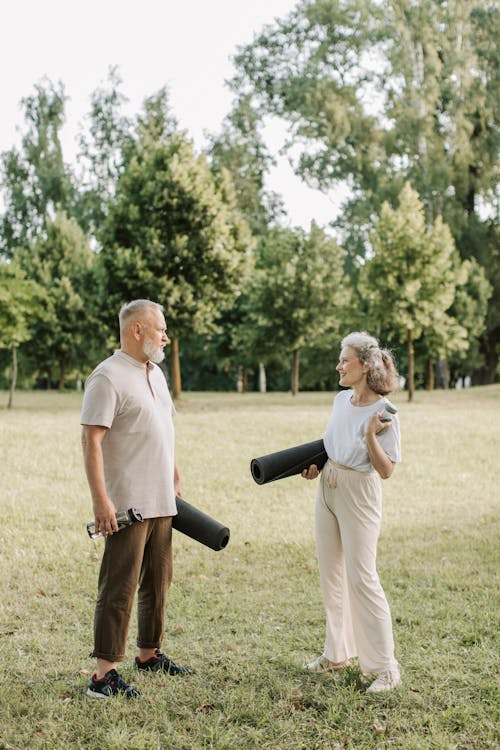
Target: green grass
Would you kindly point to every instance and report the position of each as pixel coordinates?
(247, 618)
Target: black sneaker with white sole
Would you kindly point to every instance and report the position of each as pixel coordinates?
(111, 684)
(161, 663)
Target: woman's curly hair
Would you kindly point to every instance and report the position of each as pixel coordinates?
(382, 376)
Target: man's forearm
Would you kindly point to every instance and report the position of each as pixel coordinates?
(94, 469)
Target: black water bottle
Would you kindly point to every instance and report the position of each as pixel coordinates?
(123, 518)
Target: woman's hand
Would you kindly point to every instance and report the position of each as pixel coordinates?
(375, 424)
(311, 473)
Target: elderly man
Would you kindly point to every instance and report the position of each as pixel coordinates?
(128, 449)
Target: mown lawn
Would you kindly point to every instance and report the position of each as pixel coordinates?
(248, 617)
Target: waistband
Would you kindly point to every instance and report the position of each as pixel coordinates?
(331, 468)
(339, 466)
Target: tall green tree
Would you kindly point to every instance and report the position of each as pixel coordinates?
(411, 280)
(65, 333)
(103, 151)
(470, 307)
(173, 233)
(19, 303)
(299, 294)
(240, 150)
(35, 180)
(380, 93)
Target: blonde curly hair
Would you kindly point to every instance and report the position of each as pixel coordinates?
(382, 376)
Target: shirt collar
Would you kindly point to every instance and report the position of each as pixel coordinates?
(141, 365)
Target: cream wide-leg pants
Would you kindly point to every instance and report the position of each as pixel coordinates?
(358, 618)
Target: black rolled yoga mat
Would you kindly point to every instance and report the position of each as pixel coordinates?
(200, 527)
(288, 462)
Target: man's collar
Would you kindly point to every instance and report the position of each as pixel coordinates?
(142, 365)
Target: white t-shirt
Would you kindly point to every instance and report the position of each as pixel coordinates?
(344, 437)
(132, 400)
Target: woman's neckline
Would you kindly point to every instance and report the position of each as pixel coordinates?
(368, 403)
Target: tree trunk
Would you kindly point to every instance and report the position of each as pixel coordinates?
(176, 368)
(443, 374)
(295, 371)
(262, 378)
(411, 366)
(239, 380)
(430, 375)
(13, 382)
(62, 375)
(242, 380)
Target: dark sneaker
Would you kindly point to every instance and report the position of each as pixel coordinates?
(111, 684)
(160, 663)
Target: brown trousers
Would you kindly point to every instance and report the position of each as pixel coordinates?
(139, 555)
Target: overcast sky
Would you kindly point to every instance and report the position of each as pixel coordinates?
(184, 44)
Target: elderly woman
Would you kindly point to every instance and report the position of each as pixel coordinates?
(362, 440)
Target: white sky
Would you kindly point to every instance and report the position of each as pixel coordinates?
(183, 44)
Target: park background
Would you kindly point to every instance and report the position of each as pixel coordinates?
(388, 114)
(248, 617)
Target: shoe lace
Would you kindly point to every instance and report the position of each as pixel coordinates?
(116, 681)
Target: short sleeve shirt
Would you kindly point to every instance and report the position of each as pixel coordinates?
(132, 400)
(344, 438)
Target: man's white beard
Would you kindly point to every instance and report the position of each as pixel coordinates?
(153, 353)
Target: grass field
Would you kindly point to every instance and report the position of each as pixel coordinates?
(248, 617)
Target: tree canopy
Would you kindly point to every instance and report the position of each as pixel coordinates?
(173, 233)
(399, 102)
(411, 281)
(376, 94)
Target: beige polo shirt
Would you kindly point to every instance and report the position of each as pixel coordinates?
(132, 400)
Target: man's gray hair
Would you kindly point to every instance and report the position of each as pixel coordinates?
(136, 308)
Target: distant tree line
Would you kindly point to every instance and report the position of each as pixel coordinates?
(398, 101)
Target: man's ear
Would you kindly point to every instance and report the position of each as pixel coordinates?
(135, 330)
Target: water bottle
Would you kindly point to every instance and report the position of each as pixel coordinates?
(123, 518)
(391, 409)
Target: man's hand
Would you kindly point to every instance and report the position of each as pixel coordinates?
(105, 517)
(311, 473)
(177, 482)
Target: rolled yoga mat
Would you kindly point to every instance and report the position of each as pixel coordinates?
(288, 462)
(200, 527)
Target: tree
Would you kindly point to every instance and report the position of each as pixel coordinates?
(411, 281)
(240, 149)
(298, 295)
(36, 181)
(61, 262)
(19, 299)
(470, 308)
(103, 153)
(377, 94)
(173, 233)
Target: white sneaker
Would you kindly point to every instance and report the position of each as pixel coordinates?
(385, 681)
(322, 664)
